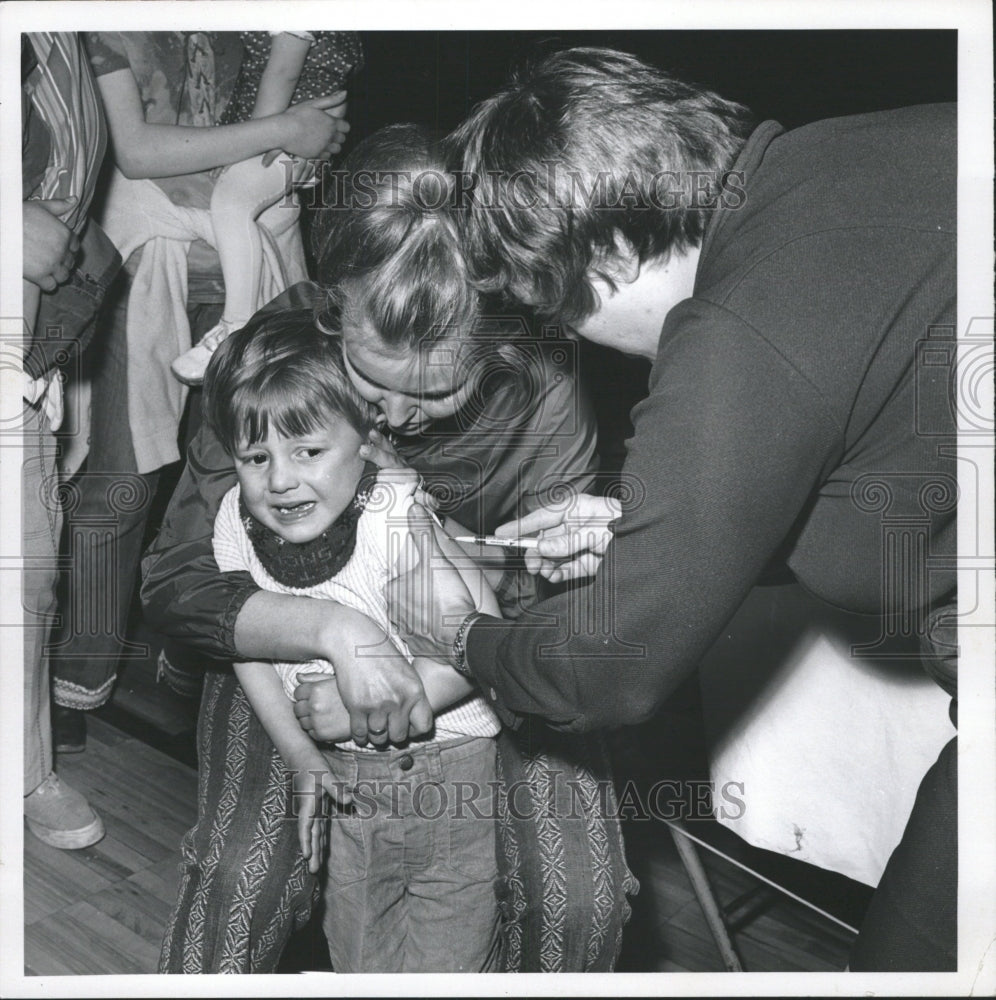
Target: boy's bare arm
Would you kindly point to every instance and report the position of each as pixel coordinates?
(310, 776)
(443, 685)
(487, 560)
(273, 708)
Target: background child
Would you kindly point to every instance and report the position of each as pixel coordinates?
(163, 93)
(247, 207)
(411, 870)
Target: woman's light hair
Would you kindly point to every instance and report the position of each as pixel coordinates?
(388, 249)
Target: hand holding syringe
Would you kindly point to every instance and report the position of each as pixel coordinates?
(571, 541)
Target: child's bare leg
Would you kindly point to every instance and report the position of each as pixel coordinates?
(241, 194)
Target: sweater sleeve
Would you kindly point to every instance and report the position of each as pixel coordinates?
(563, 436)
(728, 447)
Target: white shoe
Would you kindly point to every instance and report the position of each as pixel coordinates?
(189, 367)
(60, 816)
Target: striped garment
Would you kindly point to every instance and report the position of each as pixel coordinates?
(381, 529)
(63, 92)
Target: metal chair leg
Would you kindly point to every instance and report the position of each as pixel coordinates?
(707, 900)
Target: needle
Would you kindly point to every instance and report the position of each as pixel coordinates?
(505, 543)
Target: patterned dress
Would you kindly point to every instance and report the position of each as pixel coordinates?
(563, 878)
(332, 57)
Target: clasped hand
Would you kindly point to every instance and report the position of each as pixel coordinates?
(376, 696)
(50, 246)
(314, 129)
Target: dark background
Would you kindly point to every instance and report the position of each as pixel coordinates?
(435, 78)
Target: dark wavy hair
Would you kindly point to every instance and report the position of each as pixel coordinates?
(279, 371)
(575, 151)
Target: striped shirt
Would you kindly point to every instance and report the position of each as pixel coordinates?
(64, 95)
(381, 530)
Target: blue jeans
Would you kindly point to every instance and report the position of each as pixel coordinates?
(411, 872)
(40, 523)
(65, 318)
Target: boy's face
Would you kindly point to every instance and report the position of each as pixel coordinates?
(297, 486)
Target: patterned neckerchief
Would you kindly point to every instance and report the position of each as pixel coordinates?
(306, 564)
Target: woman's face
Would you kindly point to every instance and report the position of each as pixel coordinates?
(412, 388)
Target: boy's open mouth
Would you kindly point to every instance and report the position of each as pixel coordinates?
(295, 510)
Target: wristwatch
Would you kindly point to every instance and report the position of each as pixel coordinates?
(459, 656)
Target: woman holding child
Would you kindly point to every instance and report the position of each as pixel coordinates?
(411, 863)
(490, 424)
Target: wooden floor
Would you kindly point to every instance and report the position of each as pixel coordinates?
(668, 931)
(103, 909)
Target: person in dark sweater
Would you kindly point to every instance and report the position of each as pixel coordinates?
(795, 292)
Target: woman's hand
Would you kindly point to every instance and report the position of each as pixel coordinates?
(572, 539)
(379, 688)
(393, 468)
(315, 129)
(379, 449)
